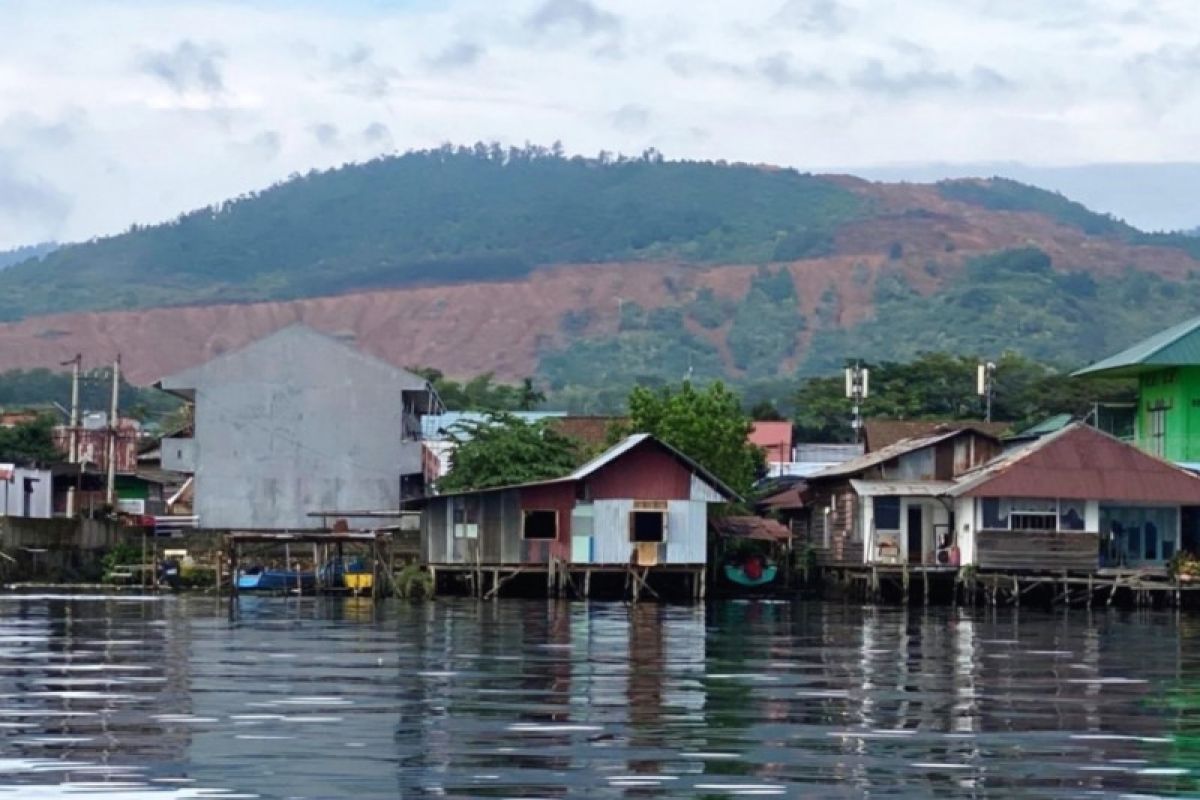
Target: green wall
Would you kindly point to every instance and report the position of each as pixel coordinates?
(1178, 387)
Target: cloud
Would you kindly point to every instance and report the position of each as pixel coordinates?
(263, 146)
(362, 74)
(630, 118)
(188, 67)
(457, 55)
(325, 133)
(778, 69)
(378, 135)
(30, 207)
(874, 76)
(581, 18)
(114, 116)
(827, 17)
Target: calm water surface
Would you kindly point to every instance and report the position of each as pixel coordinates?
(166, 698)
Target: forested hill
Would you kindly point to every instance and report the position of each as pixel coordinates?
(447, 215)
(593, 274)
(487, 213)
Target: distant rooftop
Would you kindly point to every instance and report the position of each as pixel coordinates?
(1174, 347)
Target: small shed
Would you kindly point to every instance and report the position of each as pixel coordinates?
(641, 503)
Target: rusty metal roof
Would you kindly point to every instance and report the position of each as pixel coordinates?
(881, 433)
(1082, 463)
(900, 488)
(758, 528)
(894, 450)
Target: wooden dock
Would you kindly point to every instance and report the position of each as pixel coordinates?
(969, 586)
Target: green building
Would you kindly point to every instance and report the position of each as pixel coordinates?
(1167, 368)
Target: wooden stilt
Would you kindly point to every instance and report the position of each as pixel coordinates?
(703, 577)
(925, 575)
(1090, 590)
(587, 584)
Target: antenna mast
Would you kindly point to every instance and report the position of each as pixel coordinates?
(857, 390)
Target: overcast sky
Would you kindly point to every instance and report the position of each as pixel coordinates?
(122, 111)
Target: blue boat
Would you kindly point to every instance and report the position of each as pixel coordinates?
(260, 579)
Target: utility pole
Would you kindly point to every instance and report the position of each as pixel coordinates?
(857, 390)
(73, 432)
(985, 380)
(110, 495)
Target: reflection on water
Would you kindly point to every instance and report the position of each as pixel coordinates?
(158, 699)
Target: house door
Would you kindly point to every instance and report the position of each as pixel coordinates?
(27, 497)
(916, 538)
(1189, 538)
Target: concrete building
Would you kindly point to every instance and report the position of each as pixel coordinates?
(295, 424)
(25, 492)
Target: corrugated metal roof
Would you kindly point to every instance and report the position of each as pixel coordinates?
(1176, 346)
(901, 488)
(880, 433)
(1080, 462)
(435, 426)
(1048, 425)
(757, 528)
(876, 457)
(606, 458)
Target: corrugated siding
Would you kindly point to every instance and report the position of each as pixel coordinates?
(581, 534)
(433, 526)
(645, 473)
(559, 497)
(610, 522)
(701, 490)
(687, 532)
(510, 534)
(491, 528)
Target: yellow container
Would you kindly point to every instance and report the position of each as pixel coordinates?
(358, 582)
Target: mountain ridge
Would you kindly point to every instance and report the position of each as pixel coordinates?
(747, 273)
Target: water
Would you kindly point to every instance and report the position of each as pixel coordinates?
(171, 698)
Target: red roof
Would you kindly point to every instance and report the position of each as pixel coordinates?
(1082, 463)
(775, 437)
(759, 528)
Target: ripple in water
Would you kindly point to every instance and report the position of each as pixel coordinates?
(174, 698)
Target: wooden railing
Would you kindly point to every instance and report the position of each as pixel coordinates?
(1037, 550)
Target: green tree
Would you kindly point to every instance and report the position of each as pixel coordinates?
(482, 393)
(942, 386)
(708, 425)
(504, 450)
(29, 442)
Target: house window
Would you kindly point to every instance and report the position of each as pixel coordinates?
(995, 515)
(1070, 515)
(887, 513)
(539, 524)
(466, 517)
(647, 526)
(1029, 514)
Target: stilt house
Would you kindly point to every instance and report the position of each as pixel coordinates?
(641, 502)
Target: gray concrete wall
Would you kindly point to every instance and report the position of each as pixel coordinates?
(57, 549)
(297, 423)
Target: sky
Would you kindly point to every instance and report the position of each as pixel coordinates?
(115, 112)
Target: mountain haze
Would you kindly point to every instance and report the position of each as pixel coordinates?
(593, 274)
